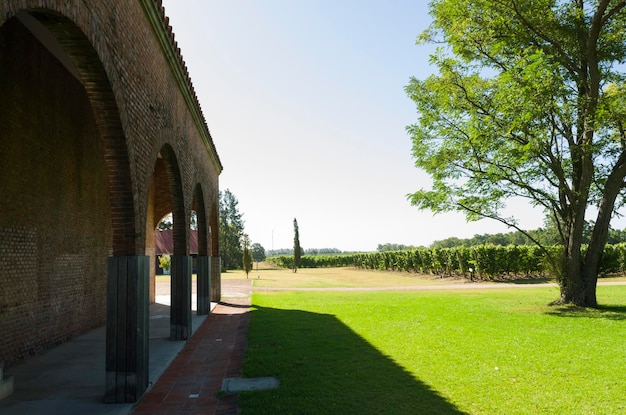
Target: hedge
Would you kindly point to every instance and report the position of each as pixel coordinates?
(484, 261)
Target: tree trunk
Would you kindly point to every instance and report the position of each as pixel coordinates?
(590, 278)
(571, 282)
(600, 233)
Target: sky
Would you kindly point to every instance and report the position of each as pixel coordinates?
(306, 106)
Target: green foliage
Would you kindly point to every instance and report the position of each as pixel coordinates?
(392, 247)
(165, 262)
(297, 249)
(166, 223)
(313, 261)
(231, 231)
(247, 255)
(547, 236)
(485, 261)
(309, 251)
(528, 102)
(258, 252)
(613, 259)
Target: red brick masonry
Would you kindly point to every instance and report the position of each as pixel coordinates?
(215, 351)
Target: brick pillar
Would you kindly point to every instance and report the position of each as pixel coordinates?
(202, 291)
(127, 328)
(215, 278)
(180, 310)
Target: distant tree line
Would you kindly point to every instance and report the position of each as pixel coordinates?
(314, 261)
(236, 249)
(393, 247)
(547, 236)
(310, 251)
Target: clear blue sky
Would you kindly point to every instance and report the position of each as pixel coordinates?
(305, 103)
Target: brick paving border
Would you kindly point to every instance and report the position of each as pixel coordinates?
(191, 384)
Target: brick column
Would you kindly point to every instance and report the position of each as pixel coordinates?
(215, 278)
(127, 328)
(203, 291)
(180, 310)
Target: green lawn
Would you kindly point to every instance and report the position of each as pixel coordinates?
(497, 351)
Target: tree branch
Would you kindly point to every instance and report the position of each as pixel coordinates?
(569, 64)
(614, 10)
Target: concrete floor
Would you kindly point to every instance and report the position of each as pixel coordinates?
(69, 379)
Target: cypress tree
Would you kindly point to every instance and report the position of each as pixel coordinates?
(297, 251)
(247, 255)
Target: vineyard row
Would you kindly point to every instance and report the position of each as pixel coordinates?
(483, 261)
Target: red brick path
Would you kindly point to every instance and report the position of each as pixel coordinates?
(215, 351)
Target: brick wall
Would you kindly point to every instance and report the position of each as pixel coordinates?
(55, 222)
(79, 153)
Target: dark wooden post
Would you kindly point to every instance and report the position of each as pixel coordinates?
(202, 290)
(180, 309)
(215, 278)
(127, 328)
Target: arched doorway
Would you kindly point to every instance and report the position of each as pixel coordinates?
(203, 259)
(166, 195)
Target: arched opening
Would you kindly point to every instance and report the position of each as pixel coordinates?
(202, 258)
(198, 250)
(165, 196)
(214, 252)
(55, 227)
(67, 192)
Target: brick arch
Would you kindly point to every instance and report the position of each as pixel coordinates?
(95, 80)
(214, 227)
(199, 207)
(169, 194)
(216, 286)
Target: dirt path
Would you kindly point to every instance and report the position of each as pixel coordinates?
(243, 288)
(460, 286)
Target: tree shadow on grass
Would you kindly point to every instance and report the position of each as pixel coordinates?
(607, 312)
(324, 367)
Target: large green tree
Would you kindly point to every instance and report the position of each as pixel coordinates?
(529, 101)
(258, 253)
(231, 231)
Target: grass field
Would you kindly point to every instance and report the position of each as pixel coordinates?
(337, 277)
(479, 351)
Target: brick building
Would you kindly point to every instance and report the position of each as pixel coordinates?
(101, 135)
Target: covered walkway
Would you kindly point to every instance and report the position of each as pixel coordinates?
(69, 378)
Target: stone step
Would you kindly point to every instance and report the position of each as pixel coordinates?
(234, 385)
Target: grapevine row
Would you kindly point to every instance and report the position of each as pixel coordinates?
(484, 261)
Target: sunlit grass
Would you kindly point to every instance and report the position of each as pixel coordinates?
(498, 351)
